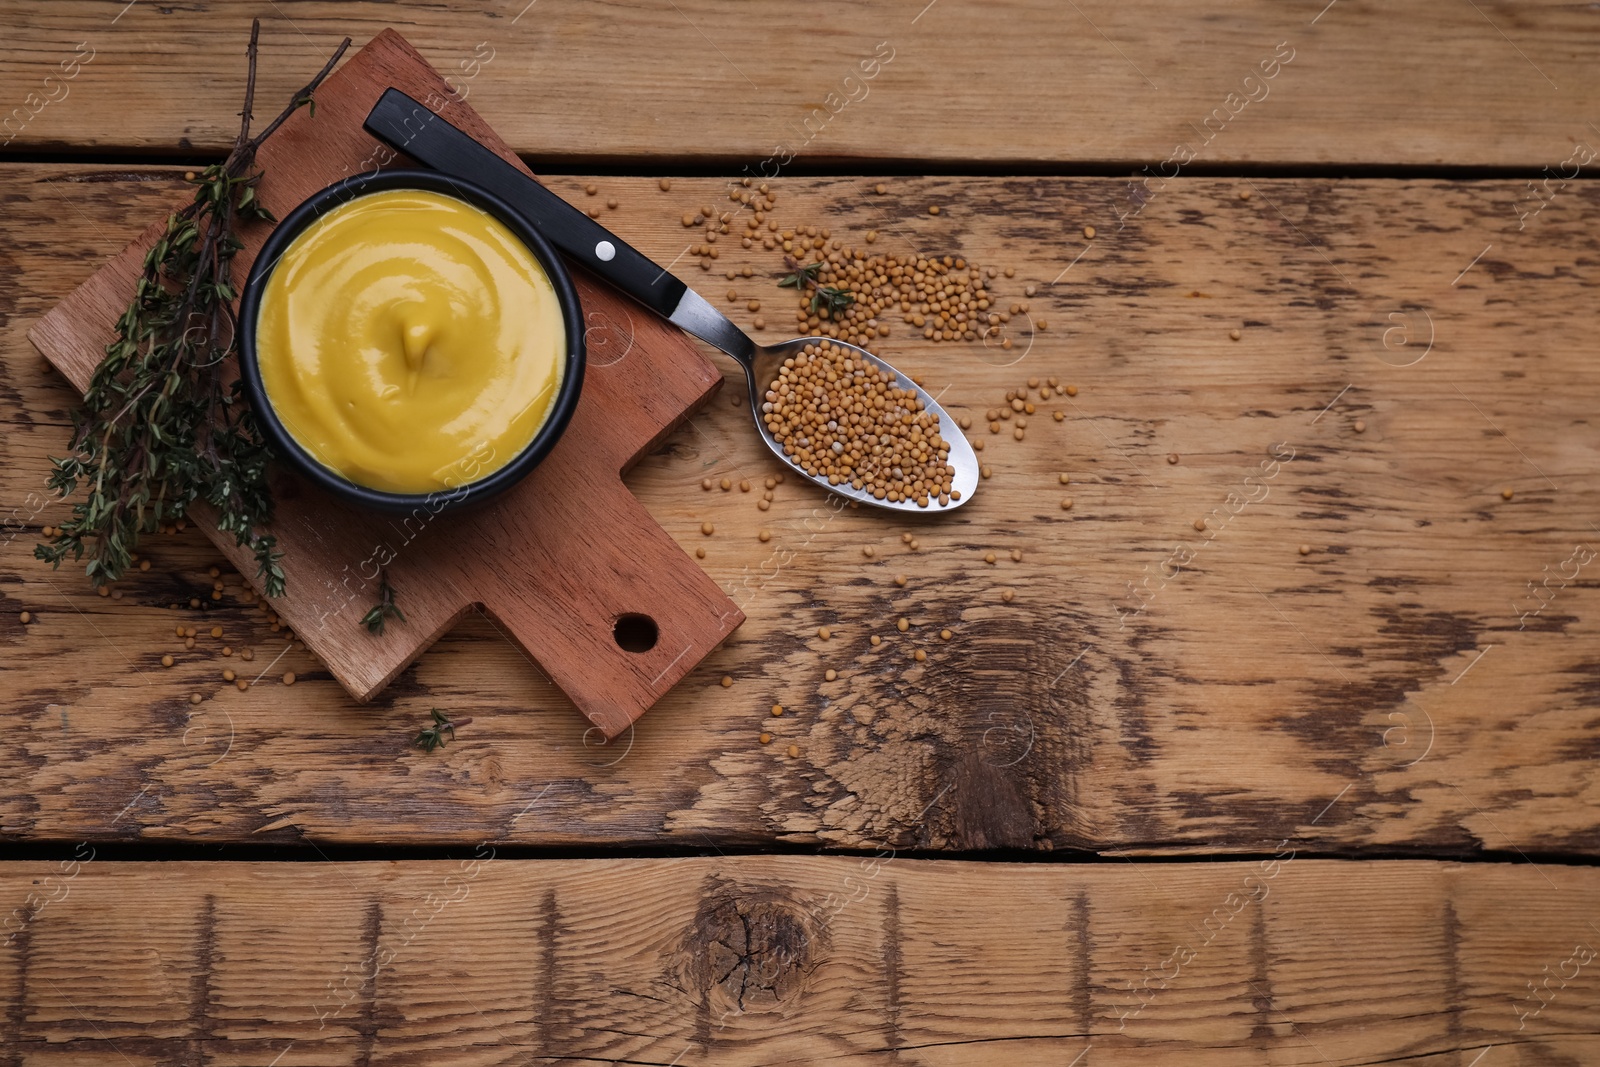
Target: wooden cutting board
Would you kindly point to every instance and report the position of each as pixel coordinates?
(559, 560)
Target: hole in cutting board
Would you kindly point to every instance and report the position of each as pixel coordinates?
(636, 633)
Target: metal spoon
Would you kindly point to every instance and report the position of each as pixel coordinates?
(412, 128)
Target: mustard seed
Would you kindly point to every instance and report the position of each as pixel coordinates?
(241, 685)
(830, 675)
(905, 539)
(984, 472)
(1088, 231)
(765, 738)
(1507, 494)
(933, 209)
(1359, 427)
(919, 655)
(1199, 524)
(794, 751)
(880, 188)
(216, 631)
(1172, 457)
(707, 529)
(764, 536)
(1066, 503)
(228, 676)
(727, 681)
(764, 504)
(900, 579)
(700, 553)
(1008, 595)
(144, 564)
(188, 642)
(666, 184)
(1016, 555)
(988, 557)
(727, 484)
(1058, 416)
(611, 204)
(195, 698)
(868, 551)
(1072, 390)
(914, 544)
(247, 654)
(744, 485)
(25, 618)
(875, 641)
(1305, 550)
(1017, 433)
(166, 661)
(1234, 335)
(903, 625)
(591, 189)
(288, 678)
(227, 650)
(777, 709)
(945, 635)
(706, 483)
(824, 633)
(1244, 194)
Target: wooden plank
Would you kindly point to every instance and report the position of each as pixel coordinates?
(799, 960)
(1393, 688)
(956, 81)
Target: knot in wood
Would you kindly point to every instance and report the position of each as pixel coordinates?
(750, 947)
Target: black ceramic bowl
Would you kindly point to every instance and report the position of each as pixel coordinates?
(283, 442)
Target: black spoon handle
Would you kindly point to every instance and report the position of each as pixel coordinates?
(410, 127)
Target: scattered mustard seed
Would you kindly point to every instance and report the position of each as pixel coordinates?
(777, 710)
(707, 529)
(247, 654)
(868, 551)
(765, 738)
(1058, 416)
(700, 553)
(945, 635)
(1016, 555)
(666, 184)
(1199, 524)
(216, 631)
(195, 698)
(215, 572)
(933, 209)
(1088, 231)
(830, 675)
(744, 485)
(1360, 427)
(880, 188)
(25, 617)
(824, 633)
(706, 483)
(794, 751)
(1234, 335)
(900, 579)
(1305, 550)
(1008, 595)
(1066, 503)
(1072, 390)
(591, 189)
(144, 564)
(875, 641)
(240, 684)
(288, 678)
(727, 681)
(1244, 194)
(727, 484)
(166, 661)
(988, 557)
(764, 535)
(188, 642)
(227, 650)
(228, 676)
(1507, 494)
(919, 655)
(903, 625)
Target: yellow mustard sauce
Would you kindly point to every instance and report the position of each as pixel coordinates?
(410, 342)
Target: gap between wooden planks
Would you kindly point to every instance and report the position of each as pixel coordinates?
(762, 960)
(1393, 689)
(953, 82)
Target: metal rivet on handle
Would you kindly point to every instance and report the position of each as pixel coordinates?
(606, 251)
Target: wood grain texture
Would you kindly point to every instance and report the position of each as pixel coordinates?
(1014, 82)
(767, 960)
(557, 560)
(1392, 689)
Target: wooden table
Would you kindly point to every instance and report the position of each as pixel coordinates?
(1280, 750)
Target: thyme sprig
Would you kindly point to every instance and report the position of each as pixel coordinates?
(434, 736)
(831, 297)
(159, 429)
(385, 609)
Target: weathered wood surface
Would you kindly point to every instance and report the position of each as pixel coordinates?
(767, 960)
(954, 81)
(1391, 689)
(557, 560)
